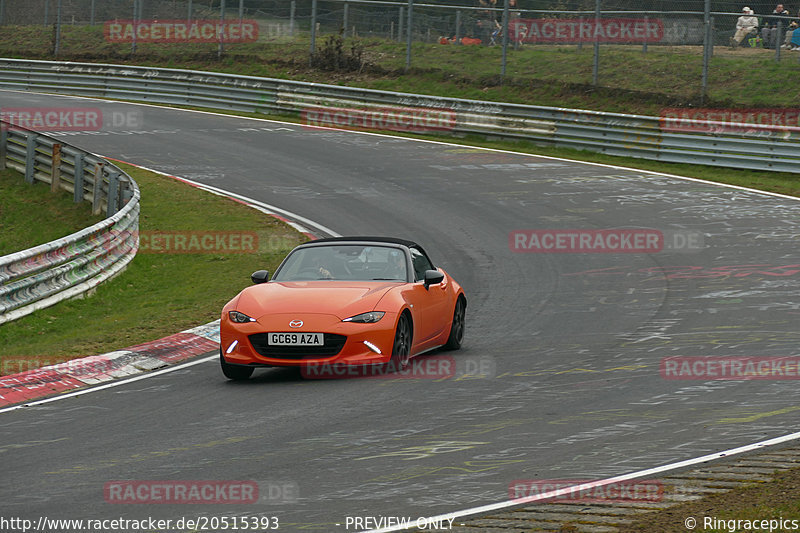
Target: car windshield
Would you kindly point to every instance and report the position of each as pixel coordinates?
(344, 262)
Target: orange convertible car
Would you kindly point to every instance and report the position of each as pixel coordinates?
(343, 301)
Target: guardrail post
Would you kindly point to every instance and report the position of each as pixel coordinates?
(3, 143)
(113, 194)
(77, 192)
(30, 158)
(55, 169)
(97, 189)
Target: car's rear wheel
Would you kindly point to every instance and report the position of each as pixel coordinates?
(457, 327)
(401, 349)
(234, 372)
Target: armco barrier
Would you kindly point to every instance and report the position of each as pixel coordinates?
(47, 274)
(775, 148)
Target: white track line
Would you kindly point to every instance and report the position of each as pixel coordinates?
(509, 503)
(444, 143)
(261, 206)
(584, 486)
(81, 392)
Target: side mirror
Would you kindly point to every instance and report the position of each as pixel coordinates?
(260, 276)
(433, 277)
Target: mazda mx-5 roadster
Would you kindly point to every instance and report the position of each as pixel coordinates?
(343, 301)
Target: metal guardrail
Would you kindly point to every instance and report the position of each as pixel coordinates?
(726, 144)
(73, 265)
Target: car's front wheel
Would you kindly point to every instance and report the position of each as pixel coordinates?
(401, 349)
(234, 372)
(457, 327)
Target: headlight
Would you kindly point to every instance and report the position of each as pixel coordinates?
(366, 318)
(239, 318)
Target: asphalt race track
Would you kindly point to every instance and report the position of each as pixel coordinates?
(568, 346)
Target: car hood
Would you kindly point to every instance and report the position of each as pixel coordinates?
(340, 298)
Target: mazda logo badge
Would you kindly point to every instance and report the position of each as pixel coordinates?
(296, 324)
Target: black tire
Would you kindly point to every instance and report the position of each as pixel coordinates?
(457, 327)
(234, 372)
(401, 349)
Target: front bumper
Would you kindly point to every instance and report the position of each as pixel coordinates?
(239, 348)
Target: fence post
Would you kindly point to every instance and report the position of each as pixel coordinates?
(458, 26)
(58, 29)
(706, 44)
(55, 169)
(133, 38)
(778, 40)
(505, 40)
(292, 9)
(97, 189)
(189, 13)
(313, 31)
(646, 25)
(241, 11)
(91, 14)
(77, 190)
(400, 26)
(221, 47)
(344, 18)
(2, 10)
(30, 157)
(596, 57)
(408, 34)
(711, 37)
(46, 9)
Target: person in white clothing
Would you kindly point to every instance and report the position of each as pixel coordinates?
(745, 25)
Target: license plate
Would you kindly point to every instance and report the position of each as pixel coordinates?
(296, 339)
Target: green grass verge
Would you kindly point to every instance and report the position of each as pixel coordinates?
(159, 293)
(56, 215)
(556, 75)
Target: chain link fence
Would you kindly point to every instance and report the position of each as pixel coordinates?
(611, 29)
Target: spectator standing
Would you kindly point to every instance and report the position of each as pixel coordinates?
(745, 25)
(487, 21)
(769, 33)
